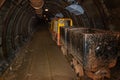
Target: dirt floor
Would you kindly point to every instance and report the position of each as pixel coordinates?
(40, 60)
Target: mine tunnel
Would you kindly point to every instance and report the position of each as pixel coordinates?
(59, 39)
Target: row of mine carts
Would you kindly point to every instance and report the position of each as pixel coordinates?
(90, 52)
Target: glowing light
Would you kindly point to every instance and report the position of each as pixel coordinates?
(44, 15)
(46, 9)
(47, 19)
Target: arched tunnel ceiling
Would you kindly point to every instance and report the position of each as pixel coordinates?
(20, 13)
(18, 20)
(101, 13)
(98, 14)
(95, 10)
(54, 6)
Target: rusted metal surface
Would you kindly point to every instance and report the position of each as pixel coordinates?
(37, 5)
(38, 11)
(101, 54)
(95, 51)
(2, 2)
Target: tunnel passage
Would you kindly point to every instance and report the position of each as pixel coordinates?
(18, 20)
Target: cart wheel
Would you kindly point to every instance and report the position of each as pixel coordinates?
(77, 67)
(79, 70)
(85, 77)
(64, 50)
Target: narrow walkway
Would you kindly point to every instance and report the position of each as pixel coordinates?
(47, 61)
